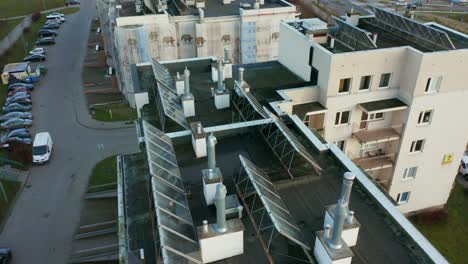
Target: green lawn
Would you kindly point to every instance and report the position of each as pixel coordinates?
(8, 25)
(11, 188)
(12, 8)
(113, 112)
(450, 235)
(17, 52)
(104, 173)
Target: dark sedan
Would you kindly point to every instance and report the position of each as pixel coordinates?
(12, 86)
(35, 57)
(45, 41)
(27, 115)
(15, 123)
(16, 107)
(47, 33)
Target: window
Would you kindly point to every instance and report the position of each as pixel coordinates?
(365, 82)
(417, 146)
(376, 116)
(403, 197)
(425, 117)
(410, 173)
(385, 80)
(340, 144)
(345, 84)
(342, 118)
(433, 85)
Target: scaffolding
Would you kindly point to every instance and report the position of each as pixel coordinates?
(177, 235)
(270, 217)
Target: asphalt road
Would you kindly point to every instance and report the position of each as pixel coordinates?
(46, 214)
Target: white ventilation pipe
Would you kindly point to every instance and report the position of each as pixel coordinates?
(332, 42)
(211, 153)
(220, 203)
(202, 15)
(186, 82)
(220, 77)
(341, 211)
(226, 55)
(350, 217)
(240, 72)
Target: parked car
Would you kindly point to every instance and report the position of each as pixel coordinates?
(57, 14)
(56, 17)
(5, 143)
(45, 41)
(15, 123)
(27, 115)
(17, 96)
(42, 148)
(16, 107)
(12, 86)
(38, 51)
(51, 26)
(464, 166)
(72, 2)
(18, 90)
(47, 33)
(35, 57)
(20, 100)
(5, 255)
(16, 133)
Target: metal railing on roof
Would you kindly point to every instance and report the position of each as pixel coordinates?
(353, 37)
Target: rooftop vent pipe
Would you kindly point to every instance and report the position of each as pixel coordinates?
(202, 15)
(211, 156)
(220, 77)
(186, 83)
(226, 55)
(341, 211)
(240, 71)
(220, 203)
(332, 42)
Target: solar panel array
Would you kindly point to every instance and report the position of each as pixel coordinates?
(177, 234)
(279, 215)
(171, 103)
(294, 141)
(353, 37)
(424, 34)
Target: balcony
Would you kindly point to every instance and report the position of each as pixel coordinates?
(378, 135)
(374, 161)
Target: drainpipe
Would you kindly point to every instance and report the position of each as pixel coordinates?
(341, 211)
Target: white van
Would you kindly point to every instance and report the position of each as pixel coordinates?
(464, 165)
(56, 17)
(42, 148)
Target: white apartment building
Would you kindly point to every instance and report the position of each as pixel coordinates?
(170, 30)
(391, 93)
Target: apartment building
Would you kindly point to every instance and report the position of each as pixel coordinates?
(389, 91)
(170, 30)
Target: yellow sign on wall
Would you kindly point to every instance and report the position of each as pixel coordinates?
(448, 158)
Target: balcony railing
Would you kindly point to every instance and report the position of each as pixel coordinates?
(375, 162)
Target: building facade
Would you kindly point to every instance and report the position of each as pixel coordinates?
(250, 30)
(391, 107)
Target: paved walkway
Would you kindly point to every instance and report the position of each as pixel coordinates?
(46, 214)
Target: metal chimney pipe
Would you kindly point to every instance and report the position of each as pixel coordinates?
(202, 15)
(205, 226)
(226, 54)
(220, 77)
(240, 71)
(199, 128)
(186, 82)
(341, 210)
(211, 153)
(327, 231)
(350, 217)
(332, 42)
(220, 203)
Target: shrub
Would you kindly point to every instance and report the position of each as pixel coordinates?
(35, 16)
(26, 29)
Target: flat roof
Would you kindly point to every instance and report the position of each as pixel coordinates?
(383, 105)
(211, 9)
(301, 110)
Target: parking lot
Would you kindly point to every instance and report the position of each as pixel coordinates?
(46, 212)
